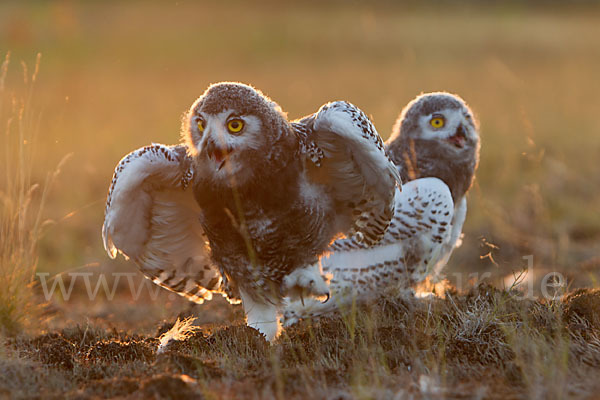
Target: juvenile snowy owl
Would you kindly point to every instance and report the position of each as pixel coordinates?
(270, 196)
(435, 144)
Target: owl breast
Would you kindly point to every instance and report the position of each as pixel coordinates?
(268, 234)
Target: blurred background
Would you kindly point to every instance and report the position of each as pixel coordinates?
(115, 76)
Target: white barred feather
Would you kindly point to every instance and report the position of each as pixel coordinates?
(152, 218)
(344, 144)
(435, 144)
(418, 240)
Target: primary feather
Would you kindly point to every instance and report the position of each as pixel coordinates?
(152, 218)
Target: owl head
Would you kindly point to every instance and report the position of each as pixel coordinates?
(233, 130)
(441, 117)
(437, 135)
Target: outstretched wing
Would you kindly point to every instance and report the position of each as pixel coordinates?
(151, 218)
(345, 152)
(413, 246)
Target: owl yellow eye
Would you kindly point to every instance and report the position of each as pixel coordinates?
(201, 124)
(235, 125)
(437, 122)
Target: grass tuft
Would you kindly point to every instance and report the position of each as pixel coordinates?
(181, 330)
(21, 201)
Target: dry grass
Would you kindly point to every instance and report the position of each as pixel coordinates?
(21, 219)
(484, 343)
(118, 76)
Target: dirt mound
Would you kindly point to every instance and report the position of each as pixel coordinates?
(188, 365)
(54, 349)
(114, 351)
(585, 304)
(113, 387)
(433, 345)
(168, 387)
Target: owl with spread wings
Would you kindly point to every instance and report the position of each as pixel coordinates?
(250, 202)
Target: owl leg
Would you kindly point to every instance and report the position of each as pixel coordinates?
(261, 316)
(306, 281)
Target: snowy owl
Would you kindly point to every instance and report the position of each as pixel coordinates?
(435, 144)
(252, 204)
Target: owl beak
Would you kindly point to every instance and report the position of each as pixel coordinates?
(459, 138)
(218, 154)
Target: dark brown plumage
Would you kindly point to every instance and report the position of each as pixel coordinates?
(274, 194)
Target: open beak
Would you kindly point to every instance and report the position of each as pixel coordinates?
(459, 138)
(219, 155)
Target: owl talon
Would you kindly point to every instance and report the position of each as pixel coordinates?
(359, 237)
(305, 281)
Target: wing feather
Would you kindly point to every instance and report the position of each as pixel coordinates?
(151, 218)
(455, 239)
(350, 157)
(415, 244)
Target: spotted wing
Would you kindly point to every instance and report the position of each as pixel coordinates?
(413, 247)
(345, 153)
(455, 240)
(152, 218)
